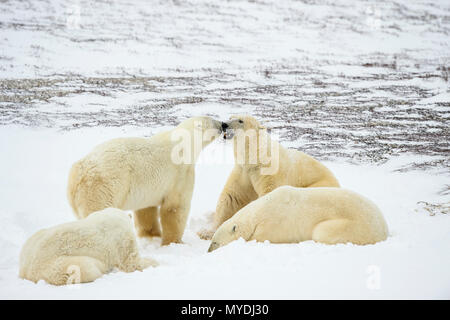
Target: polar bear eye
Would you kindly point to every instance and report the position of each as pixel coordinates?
(240, 121)
(233, 229)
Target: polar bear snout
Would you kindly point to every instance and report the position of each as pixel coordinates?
(224, 126)
(228, 133)
(217, 125)
(214, 245)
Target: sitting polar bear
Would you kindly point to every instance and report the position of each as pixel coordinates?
(142, 174)
(82, 251)
(262, 165)
(291, 215)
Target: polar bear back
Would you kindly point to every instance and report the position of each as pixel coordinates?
(323, 202)
(305, 171)
(298, 211)
(102, 241)
(138, 162)
(122, 173)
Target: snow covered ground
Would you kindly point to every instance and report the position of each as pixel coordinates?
(362, 86)
(413, 263)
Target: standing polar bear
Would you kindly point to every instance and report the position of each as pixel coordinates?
(291, 215)
(143, 174)
(82, 251)
(261, 166)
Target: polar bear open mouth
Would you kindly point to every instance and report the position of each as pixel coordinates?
(228, 134)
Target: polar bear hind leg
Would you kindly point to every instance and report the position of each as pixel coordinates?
(90, 195)
(93, 190)
(342, 231)
(74, 269)
(147, 223)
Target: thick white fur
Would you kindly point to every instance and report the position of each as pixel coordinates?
(138, 174)
(291, 215)
(246, 182)
(82, 251)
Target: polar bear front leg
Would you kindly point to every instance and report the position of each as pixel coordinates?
(173, 220)
(238, 192)
(230, 202)
(175, 208)
(264, 184)
(147, 223)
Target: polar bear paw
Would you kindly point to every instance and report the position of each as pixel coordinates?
(205, 234)
(147, 262)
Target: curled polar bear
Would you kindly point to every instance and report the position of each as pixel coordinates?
(261, 166)
(291, 215)
(82, 251)
(145, 175)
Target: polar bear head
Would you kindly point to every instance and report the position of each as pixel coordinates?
(240, 124)
(205, 128)
(204, 123)
(228, 232)
(191, 136)
(253, 145)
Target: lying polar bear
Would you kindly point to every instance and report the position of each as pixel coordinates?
(143, 174)
(82, 251)
(272, 166)
(291, 215)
